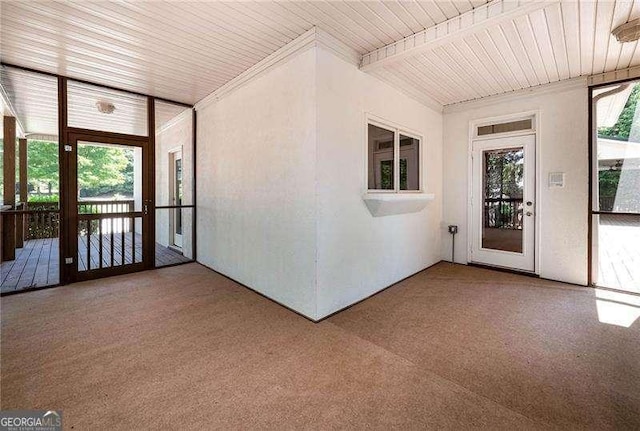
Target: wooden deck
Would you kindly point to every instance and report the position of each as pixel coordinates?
(37, 263)
(619, 253)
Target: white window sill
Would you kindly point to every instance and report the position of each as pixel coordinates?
(384, 204)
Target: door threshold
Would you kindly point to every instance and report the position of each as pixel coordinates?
(175, 248)
(504, 269)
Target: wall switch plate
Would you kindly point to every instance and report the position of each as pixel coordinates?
(556, 180)
(68, 260)
(453, 228)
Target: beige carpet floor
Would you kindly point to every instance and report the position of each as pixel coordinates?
(450, 348)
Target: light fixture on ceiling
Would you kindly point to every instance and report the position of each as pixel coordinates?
(627, 32)
(105, 107)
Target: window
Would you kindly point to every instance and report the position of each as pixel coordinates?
(393, 159)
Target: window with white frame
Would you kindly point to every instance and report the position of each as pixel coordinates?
(393, 159)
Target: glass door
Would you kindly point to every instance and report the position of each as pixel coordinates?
(109, 204)
(503, 202)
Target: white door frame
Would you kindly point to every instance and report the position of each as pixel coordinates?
(473, 127)
(173, 242)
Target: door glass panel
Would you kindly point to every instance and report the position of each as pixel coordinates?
(109, 194)
(503, 187)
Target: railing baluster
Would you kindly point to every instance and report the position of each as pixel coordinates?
(88, 244)
(122, 239)
(133, 240)
(111, 242)
(100, 241)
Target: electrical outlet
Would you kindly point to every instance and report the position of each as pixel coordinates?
(453, 229)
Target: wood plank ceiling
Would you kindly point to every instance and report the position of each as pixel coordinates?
(184, 51)
(563, 40)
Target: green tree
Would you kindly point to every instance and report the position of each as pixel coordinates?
(101, 166)
(622, 127)
(42, 162)
(100, 169)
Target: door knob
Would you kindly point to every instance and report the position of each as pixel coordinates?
(529, 203)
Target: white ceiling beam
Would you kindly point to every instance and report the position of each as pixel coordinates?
(482, 17)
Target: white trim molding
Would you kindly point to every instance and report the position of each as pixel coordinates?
(553, 87)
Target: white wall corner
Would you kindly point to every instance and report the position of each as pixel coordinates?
(327, 41)
(175, 120)
(290, 50)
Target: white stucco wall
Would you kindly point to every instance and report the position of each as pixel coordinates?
(256, 183)
(562, 147)
(177, 135)
(359, 254)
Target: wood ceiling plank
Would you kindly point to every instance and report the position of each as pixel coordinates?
(475, 45)
(497, 36)
(621, 15)
(414, 9)
(168, 68)
(413, 72)
(431, 8)
(377, 36)
(538, 23)
(448, 8)
(474, 63)
(555, 28)
(350, 18)
(428, 69)
(571, 23)
(512, 37)
(312, 14)
(498, 59)
(363, 8)
(604, 18)
(410, 88)
(408, 20)
(455, 73)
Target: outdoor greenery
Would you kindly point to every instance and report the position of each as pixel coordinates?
(53, 198)
(102, 171)
(622, 128)
(608, 180)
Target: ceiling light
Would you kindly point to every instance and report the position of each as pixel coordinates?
(105, 107)
(628, 32)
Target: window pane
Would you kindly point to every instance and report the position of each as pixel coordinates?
(381, 158)
(618, 148)
(409, 163)
(96, 108)
(503, 192)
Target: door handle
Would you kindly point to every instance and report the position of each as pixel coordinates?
(146, 209)
(529, 213)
